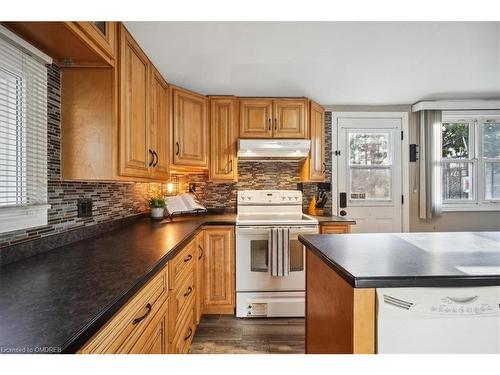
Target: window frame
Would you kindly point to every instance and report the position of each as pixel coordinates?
(475, 119)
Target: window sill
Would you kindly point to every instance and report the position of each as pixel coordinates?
(23, 217)
(471, 207)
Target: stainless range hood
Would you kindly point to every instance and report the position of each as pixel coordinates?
(273, 149)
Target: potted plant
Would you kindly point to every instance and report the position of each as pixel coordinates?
(157, 206)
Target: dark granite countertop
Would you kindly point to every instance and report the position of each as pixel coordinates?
(60, 298)
(333, 219)
(389, 260)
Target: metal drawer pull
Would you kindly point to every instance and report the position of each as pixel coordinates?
(188, 258)
(269, 125)
(156, 161)
(275, 124)
(152, 158)
(201, 252)
(178, 148)
(189, 290)
(189, 334)
(138, 320)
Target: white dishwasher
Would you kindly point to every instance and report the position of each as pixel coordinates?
(438, 320)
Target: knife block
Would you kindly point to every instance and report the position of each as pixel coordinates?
(312, 210)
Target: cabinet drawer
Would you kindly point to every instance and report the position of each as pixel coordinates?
(182, 299)
(184, 336)
(182, 263)
(154, 339)
(335, 229)
(124, 329)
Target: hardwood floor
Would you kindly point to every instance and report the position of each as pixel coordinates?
(226, 334)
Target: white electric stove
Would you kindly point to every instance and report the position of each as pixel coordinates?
(258, 294)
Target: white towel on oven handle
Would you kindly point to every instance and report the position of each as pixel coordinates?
(279, 251)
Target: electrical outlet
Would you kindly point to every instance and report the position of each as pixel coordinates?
(84, 206)
(192, 187)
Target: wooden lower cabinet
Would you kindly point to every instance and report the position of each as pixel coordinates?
(340, 319)
(200, 290)
(328, 228)
(161, 318)
(219, 276)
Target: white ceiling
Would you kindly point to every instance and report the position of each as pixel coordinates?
(364, 63)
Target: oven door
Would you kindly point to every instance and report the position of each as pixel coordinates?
(252, 260)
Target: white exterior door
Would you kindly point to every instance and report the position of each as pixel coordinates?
(369, 176)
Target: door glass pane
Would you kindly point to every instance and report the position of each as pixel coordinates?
(370, 183)
(455, 140)
(457, 183)
(258, 256)
(369, 149)
(491, 140)
(296, 256)
(492, 180)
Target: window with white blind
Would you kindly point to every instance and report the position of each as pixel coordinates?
(23, 135)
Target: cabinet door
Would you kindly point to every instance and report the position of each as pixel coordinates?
(102, 33)
(289, 118)
(190, 130)
(134, 108)
(256, 118)
(200, 291)
(223, 119)
(317, 153)
(159, 127)
(219, 271)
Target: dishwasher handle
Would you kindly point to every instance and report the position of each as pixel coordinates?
(462, 300)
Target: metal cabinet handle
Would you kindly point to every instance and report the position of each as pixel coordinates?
(189, 290)
(231, 165)
(188, 258)
(178, 148)
(269, 128)
(156, 161)
(324, 168)
(189, 334)
(139, 319)
(201, 252)
(152, 158)
(275, 124)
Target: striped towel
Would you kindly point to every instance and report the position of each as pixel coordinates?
(279, 251)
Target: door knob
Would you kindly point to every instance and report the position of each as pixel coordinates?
(343, 213)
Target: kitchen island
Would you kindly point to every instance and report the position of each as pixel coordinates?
(345, 272)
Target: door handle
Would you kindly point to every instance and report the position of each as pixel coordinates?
(152, 158)
(324, 168)
(231, 165)
(189, 334)
(156, 157)
(275, 124)
(269, 128)
(178, 148)
(188, 258)
(201, 252)
(343, 200)
(188, 292)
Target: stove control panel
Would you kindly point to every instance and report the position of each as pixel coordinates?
(275, 197)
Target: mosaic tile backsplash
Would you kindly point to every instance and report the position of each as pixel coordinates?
(111, 201)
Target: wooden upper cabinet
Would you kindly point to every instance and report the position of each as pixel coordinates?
(313, 168)
(219, 270)
(290, 118)
(189, 129)
(223, 133)
(256, 116)
(134, 123)
(160, 145)
(72, 44)
(102, 33)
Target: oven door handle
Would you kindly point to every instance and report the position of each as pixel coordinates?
(265, 230)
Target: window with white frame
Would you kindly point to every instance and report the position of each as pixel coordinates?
(23, 137)
(470, 160)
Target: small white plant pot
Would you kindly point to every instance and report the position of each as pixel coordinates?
(157, 213)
